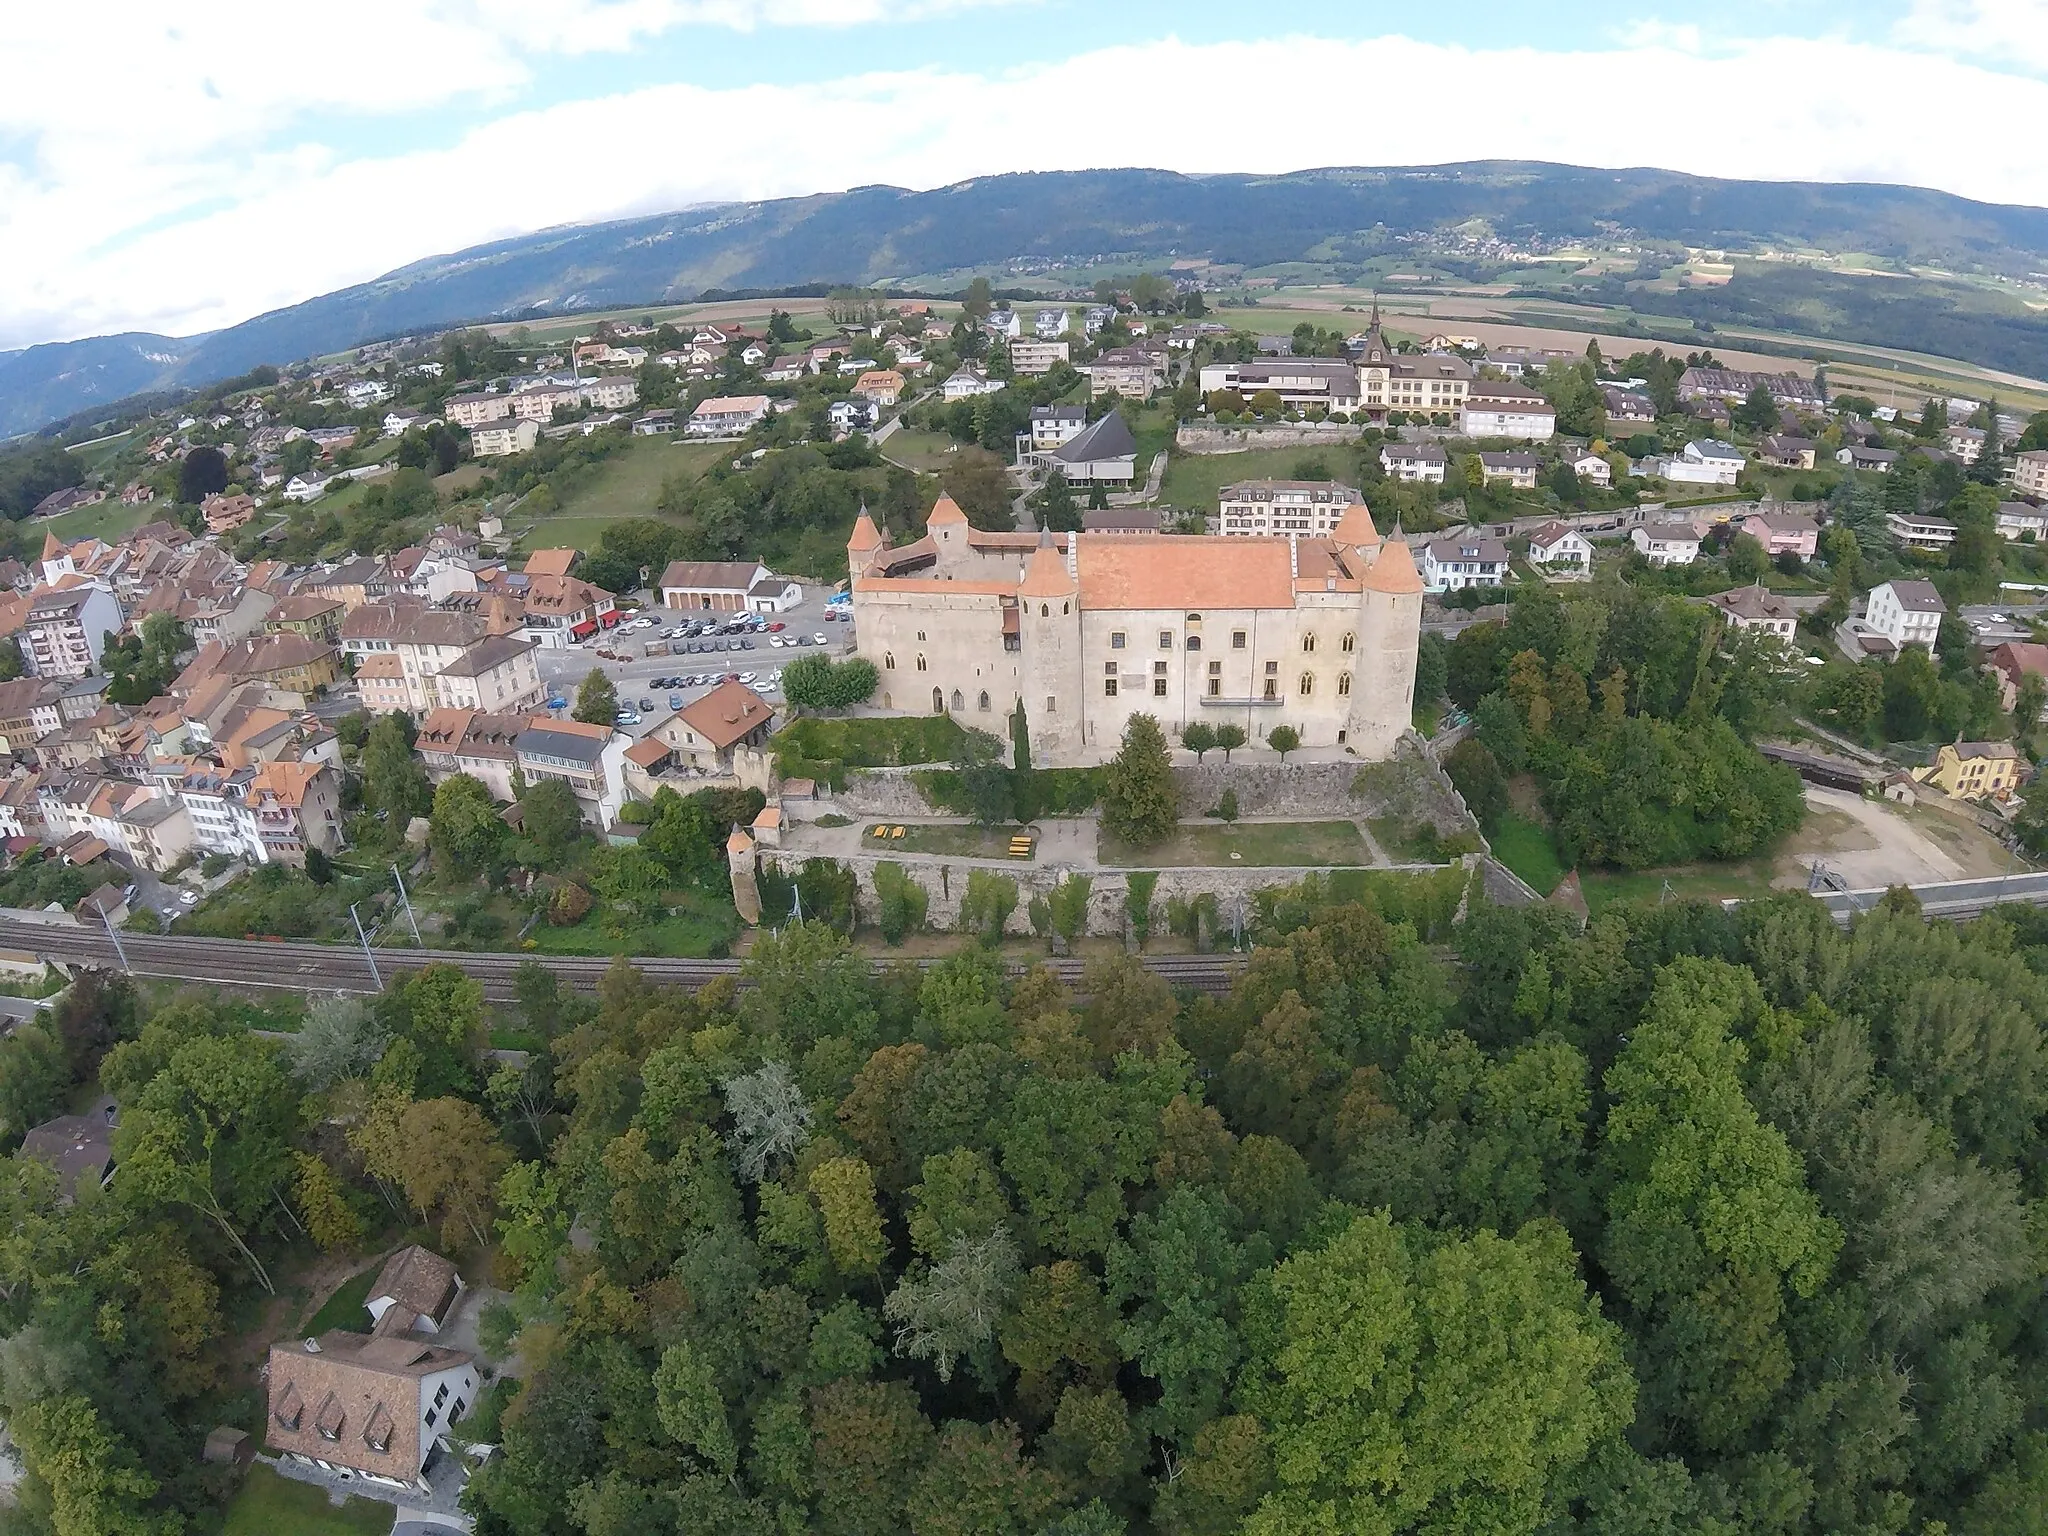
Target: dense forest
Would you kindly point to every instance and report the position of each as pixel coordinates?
(1688, 1220)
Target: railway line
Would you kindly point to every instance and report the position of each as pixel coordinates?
(303, 965)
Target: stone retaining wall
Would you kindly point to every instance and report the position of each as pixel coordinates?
(1292, 434)
(945, 883)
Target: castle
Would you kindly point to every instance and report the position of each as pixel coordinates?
(1091, 629)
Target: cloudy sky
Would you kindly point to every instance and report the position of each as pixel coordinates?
(177, 168)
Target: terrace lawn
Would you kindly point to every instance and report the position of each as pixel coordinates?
(344, 1309)
(1297, 844)
(915, 448)
(1524, 846)
(107, 520)
(625, 485)
(270, 1505)
(1193, 479)
(963, 840)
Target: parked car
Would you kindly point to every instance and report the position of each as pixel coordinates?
(675, 701)
(558, 702)
(817, 639)
(805, 640)
(625, 717)
(748, 677)
(647, 705)
(778, 626)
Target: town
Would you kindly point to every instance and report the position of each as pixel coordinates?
(1178, 695)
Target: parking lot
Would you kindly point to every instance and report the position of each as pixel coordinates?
(762, 650)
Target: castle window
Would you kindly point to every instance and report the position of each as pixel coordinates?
(1272, 669)
(1237, 639)
(1194, 642)
(1308, 644)
(958, 701)
(1194, 618)
(1116, 639)
(1272, 689)
(1166, 639)
(1308, 685)
(1066, 607)
(1159, 669)
(920, 634)
(984, 698)
(1343, 685)
(1109, 687)
(889, 660)
(1052, 705)
(1215, 669)
(938, 702)
(1158, 687)
(1349, 643)
(1215, 687)
(920, 661)
(1045, 610)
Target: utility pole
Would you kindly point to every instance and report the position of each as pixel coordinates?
(418, 942)
(796, 902)
(117, 942)
(376, 980)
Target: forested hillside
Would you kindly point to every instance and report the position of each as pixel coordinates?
(1692, 1221)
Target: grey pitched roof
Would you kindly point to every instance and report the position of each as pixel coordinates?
(1109, 438)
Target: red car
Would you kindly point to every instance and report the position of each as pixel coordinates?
(775, 628)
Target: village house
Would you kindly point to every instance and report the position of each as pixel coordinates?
(1905, 613)
(1783, 533)
(883, 386)
(1467, 560)
(1974, 770)
(1919, 530)
(559, 610)
(1787, 452)
(2030, 473)
(1672, 542)
(224, 513)
(1628, 408)
(1733, 386)
(968, 381)
(1497, 408)
(497, 439)
(727, 416)
(1755, 609)
(2012, 662)
(1413, 462)
(590, 759)
(1876, 461)
(452, 741)
(1591, 468)
(415, 1292)
(703, 735)
(1517, 469)
(371, 1405)
(1560, 544)
(2017, 519)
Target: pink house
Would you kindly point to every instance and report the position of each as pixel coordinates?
(1783, 533)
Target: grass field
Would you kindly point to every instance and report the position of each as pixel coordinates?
(344, 1309)
(270, 1505)
(695, 928)
(629, 482)
(1698, 882)
(1193, 479)
(1525, 847)
(961, 841)
(1303, 844)
(915, 448)
(108, 520)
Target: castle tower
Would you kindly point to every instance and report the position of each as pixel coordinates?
(1389, 632)
(1356, 536)
(1049, 600)
(742, 862)
(947, 528)
(862, 547)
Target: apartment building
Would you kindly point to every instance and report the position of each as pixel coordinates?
(1030, 359)
(727, 416)
(453, 741)
(472, 411)
(65, 631)
(2030, 473)
(1497, 408)
(509, 435)
(562, 609)
(403, 648)
(590, 759)
(1277, 508)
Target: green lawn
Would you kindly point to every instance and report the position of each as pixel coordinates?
(344, 1309)
(961, 840)
(270, 1505)
(1693, 882)
(1300, 844)
(1193, 479)
(915, 448)
(625, 485)
(107, 520)
(697, 927)
(1526, 848)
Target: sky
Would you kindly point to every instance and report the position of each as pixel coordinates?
(178, 168)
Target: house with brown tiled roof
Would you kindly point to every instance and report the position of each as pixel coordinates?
(560, 610)
(702, 736)
(373, 1406)
(415, 1291)
(461, 740)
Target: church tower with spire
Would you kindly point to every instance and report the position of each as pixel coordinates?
(1375, 368)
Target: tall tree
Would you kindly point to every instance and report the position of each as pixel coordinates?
(1140, 802)
(597, 701)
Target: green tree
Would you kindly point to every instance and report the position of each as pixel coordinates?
(1474, 1376)
(1199, 737)
(551, 819)
(394, 784)
(464, 831)
(1228, 739)
(1020, 739)
(949, 1313)
(1478, 778)
(1283, 739)
(845, 1191)
(1140, 802)
(691, 1410)
(1747, 561)
(597, 701)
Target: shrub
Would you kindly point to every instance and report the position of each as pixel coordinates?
(1069, 906)
(569, 905)
(901, 902)
(1226, 808)
(1138, 904)
(989, 901)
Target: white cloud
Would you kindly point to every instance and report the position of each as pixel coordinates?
(1998, 32)
(300, 221)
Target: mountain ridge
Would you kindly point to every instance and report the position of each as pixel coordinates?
(871, 233)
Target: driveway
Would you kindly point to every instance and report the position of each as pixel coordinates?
(1886, 848)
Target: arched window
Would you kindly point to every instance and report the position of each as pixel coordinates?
(1350, 642)
(1065, 607)
(1045, 610)
(958, 702)
(1194, 642)
(938, 702)
(889, 661)
(1308, 644)
(984, 698)
(920, 661)
(1343, 685)
(1308, 684)
(1194, 618)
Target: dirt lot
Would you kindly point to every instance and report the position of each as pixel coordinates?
(1874, 843)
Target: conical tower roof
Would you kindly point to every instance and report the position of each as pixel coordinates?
(866, 536)
(52, 546)
(1355, 527)
(1046, 575)
(946, 510)
(1394, 571)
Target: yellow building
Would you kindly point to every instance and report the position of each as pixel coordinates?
(1970, 770)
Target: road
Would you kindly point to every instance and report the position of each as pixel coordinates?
(304, 966)
(1948, 899)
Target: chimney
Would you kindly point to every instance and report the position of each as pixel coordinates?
(1293, 557)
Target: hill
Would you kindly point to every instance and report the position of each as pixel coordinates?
(871, 234)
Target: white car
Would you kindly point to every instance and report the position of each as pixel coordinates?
(748, 677)
(817, 640)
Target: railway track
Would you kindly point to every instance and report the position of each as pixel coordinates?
(304, 966)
